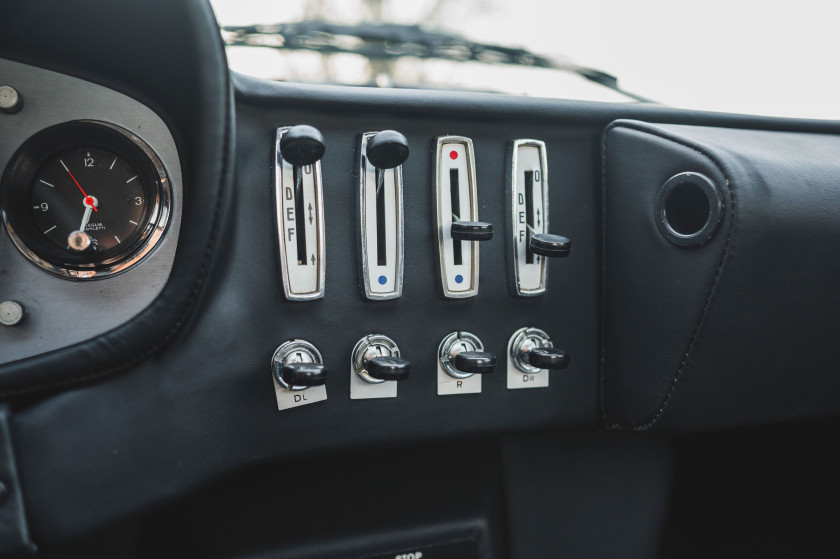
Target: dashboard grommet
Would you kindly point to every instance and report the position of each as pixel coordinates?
(688, 209)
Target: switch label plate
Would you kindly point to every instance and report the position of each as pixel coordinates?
(299, 213)
(519, 379)
(295, 398)
(455, 197)
(447, 385)
(361, 390)
(528, 183)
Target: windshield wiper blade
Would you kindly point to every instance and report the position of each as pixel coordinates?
(390, 41)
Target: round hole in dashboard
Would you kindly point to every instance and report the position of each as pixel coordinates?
(689, 207)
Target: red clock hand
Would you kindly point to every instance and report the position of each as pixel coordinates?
(88, 199)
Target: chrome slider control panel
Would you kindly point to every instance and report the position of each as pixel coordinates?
(531, 243)
(380, 213)
(456, 214)
(299, 208)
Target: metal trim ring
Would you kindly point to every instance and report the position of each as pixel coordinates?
(152, 233)
(716, 209)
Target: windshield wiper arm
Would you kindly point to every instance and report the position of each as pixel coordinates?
(391, 41)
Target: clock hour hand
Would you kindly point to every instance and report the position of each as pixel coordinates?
(90, 204)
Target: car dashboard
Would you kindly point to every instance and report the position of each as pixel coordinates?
(348, 322)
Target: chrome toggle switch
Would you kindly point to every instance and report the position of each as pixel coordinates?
(299, 374)
(456, 217)
(461, 357)
(531, 242)
(375, 366)
(376, 359)
(380, 213)
(531, 354)
(297, 365)
(299, 208)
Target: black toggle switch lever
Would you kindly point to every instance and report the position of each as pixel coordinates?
(301, 374)
(389, 368)
(471, 231)
(475, 362)
(532, 351)
(550, 358)
(302, 145)
(387, 149)
(553, 246)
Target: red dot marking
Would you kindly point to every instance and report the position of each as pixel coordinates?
(453, 154)
(89, 201)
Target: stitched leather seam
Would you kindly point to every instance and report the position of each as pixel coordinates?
(649, 129)
(187, 306)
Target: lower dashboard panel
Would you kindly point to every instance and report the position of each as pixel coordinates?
(538, 496)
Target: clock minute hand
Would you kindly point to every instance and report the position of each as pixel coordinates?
(87, 198)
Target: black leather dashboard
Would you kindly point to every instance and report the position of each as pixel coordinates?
(737, 331)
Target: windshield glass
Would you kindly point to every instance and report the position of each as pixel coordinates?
(754, 57)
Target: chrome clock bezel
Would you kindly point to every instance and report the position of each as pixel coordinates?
(152, 234)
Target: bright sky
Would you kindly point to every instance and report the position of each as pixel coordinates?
(761, 57)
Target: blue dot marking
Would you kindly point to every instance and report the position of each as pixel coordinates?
(383, 280)
(459, 278)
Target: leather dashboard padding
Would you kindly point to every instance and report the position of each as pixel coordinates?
(14, 533)
(129, 47)
(741, 330)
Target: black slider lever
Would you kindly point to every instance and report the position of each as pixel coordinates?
(387, 149)
(302, 145)
(471, 230)
(552, 246)
(301, 374)
(475, 362)
(388, 368)
(548, 358)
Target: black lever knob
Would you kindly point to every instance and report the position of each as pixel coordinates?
(472, 231)
(389, 368)
(301, 374)
(302, 145)
(553, 246)
(548, 358)
(387, 149)
(476, 362)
